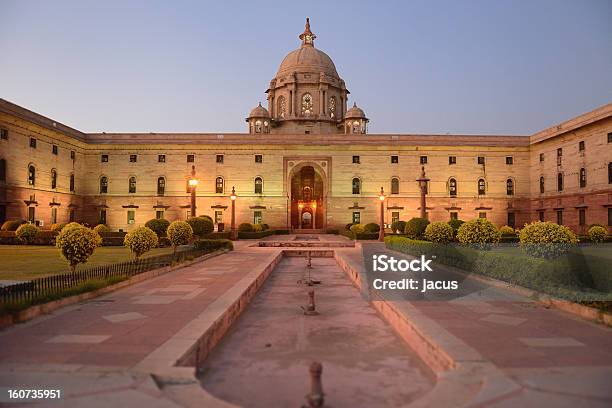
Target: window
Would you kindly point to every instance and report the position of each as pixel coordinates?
(104, 158)
(356, 159)
(257, 218)
(609, 208)
(610, 137)
(4, 134)
(161, 186)
(542, 185)
(541, 215)
(33, 143)
(258, 185)
(133, 158)
(103, 217)
(394, 159)
(71, 215)
(452, 160)
(452, 187)
(560, 182)
(559, 156)
(159, 214)
(103, 185)
(509, 187)
(511, 220)
(560, 217)
(481, 160)
(190, 158)
(582, 217)
(258, 158)
(2, 171)
(581, 146)
(72, 182)
(54, 149)
(509, 160)
(356, 186)
(307, 106)
(31, 175)
(131, 216)
(332, 107)
(482, 189)
(582, 178)
(32, 214)
(219, 185)
(541, 157)
(356, 217)
(132, 185)
(454, 215)
(394, 185)
(423, 160)
(482, 214)
(72, 155)
(53, 178)
(282, 107)
(218, 217)
(610, 173)
(258, 126)
(395, 216)
(219, 158)
(53, 215)
(161, 158)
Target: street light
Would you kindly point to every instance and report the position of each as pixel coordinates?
(193, 183)
(233, 234)
(381, 232)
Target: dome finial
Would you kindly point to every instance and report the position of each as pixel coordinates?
(307, 36)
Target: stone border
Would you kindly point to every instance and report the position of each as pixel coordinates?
(49, 307)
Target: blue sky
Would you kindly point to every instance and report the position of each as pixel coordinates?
(490, 67)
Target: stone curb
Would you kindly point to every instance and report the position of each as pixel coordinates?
(49, 307)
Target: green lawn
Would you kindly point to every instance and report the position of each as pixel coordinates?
(20, 262)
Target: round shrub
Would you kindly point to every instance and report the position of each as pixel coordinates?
(401, 226)
(101, 229)
(265, 227)
(12, 225)
(26, 233)
(415, 227)
(357, 229)
(439, 232)
(72, 225)
(58, 227)
(77, 243)
(348, 226)
(597, 234)
(201, 225)
(179, 233)
(245, 227)
(506, 230)
(371, 227)
(546, 239)
(141, 240)
(158, 226)
(479, 232)
(455, 224)
(208, 217)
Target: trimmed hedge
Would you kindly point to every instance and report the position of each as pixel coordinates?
(201, 225)
(12, 225)
(372, 227)
(245, 227)
(281, 232)
(360, 235)
(214, 244)
(254, 234)
(218, 235)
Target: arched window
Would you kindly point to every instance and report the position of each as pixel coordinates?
(103, 185)
(452, 187)
(356, 186)
(31, 175)
(53, 179)
(356, 126)
(258, 126)
(258, 185)
(332, 107)
(266, 126)
(394, 185)
(161, 186)
(541, 184)
(559, 181)
(307, 106)
(582, 178)
(2, 170)
(72, 182)
(282, 107)
(482, 187)
(132, 185)
(509, 187)
(219, 185)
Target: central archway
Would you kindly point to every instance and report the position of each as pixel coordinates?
(307, 189)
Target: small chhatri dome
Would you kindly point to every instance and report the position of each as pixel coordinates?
(259, 112)
(355, 113)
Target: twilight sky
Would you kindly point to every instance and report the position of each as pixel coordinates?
(491, 67)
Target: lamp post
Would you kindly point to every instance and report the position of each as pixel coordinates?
(233, 234)
(381, 232)
(193, 183)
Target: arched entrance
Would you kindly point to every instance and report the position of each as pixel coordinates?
(307, 199)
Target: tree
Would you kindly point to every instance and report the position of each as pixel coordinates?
(179, 233)
(141, 240)
(77, 244)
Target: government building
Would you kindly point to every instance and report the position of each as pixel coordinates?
(306, 162)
